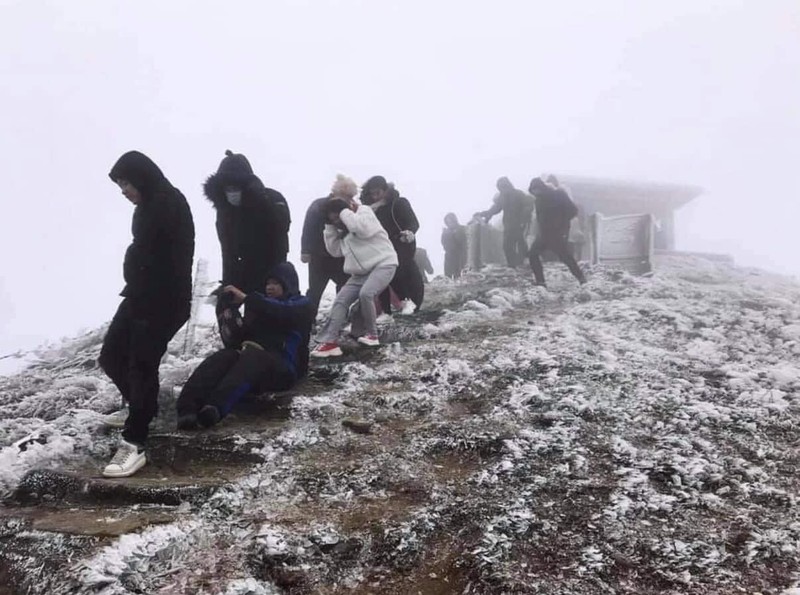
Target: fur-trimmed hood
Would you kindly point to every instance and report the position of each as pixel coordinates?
(214, 188)
(233, 170)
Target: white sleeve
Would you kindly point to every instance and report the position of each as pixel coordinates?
(362, 223)
(333, 243)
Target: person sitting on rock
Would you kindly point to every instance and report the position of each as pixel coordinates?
(354, 232)
(272, 353)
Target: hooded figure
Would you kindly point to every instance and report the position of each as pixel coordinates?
(399, 220)
(273, 354)
(454, 242)
(252, 223)
(157, 301)
(554, 212)
(517, 208)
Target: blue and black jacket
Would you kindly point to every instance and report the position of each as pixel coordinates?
(282, 325)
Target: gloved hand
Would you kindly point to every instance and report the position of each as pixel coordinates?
(305, 258)
(407, 236)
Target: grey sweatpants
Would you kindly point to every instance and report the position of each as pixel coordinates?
(361, 288)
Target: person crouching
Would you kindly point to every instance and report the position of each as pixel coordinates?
(354, 232)
(273, 354)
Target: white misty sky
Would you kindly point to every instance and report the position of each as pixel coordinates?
(441, 97)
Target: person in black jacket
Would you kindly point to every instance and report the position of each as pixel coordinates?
(252, 226)
(272, 354)
(554, 211)
(454, 242)
(423, 263)
(399, 220)
(157, 300)
(517, 208)
(322, 267)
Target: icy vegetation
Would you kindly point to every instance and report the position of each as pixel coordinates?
(636, 435)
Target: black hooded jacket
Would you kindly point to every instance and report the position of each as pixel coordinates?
(281, 325)
(396, 215)
(554, 211)
(158, 263)
(312, 242)
(517, 208)
(254, 236)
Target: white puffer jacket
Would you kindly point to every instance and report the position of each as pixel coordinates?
(365, 247)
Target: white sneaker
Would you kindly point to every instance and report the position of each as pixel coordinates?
(369, 340)
(116, 419)
(408, 307)
(384, 319)
(126, 462)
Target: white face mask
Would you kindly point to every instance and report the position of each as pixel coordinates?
(234, 197)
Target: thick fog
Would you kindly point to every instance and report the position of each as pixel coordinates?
(440, 97)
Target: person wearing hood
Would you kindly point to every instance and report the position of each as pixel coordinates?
(252, 226)
(554, 212)
(454, 242)
(271, 355)
(399, 220)
(156, 301)
(423, 263)
(354, 232)
(517, 209)
(322, 267)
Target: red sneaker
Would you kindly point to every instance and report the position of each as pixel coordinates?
(369, 340)
(326, 350)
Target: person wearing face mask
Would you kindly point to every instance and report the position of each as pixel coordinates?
(253, 230)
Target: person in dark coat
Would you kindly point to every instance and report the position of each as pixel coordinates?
(322, 267)
(156, 300)
(272, 354)
(399, 220)
(454, 242)
(423, 263)
(554, 212)
(517, 209)
(252, 226)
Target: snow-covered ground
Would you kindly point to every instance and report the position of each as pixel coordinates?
(637, 435)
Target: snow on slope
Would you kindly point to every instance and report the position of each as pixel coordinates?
(638, 435)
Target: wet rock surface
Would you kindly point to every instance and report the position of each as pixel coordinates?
(636, 435)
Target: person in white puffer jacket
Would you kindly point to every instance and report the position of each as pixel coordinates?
(353, 231)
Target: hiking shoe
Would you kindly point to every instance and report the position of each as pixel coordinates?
(408, 308)
(384, 319)
(208, 416)
(128, 460)
(187, 421)
(369, 340)
(327, 350)
(116, 419)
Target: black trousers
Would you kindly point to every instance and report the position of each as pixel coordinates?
(514, 245)
(228, 375)
(321, 270)
(560, 247)
(407, 283)
(131, 352)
